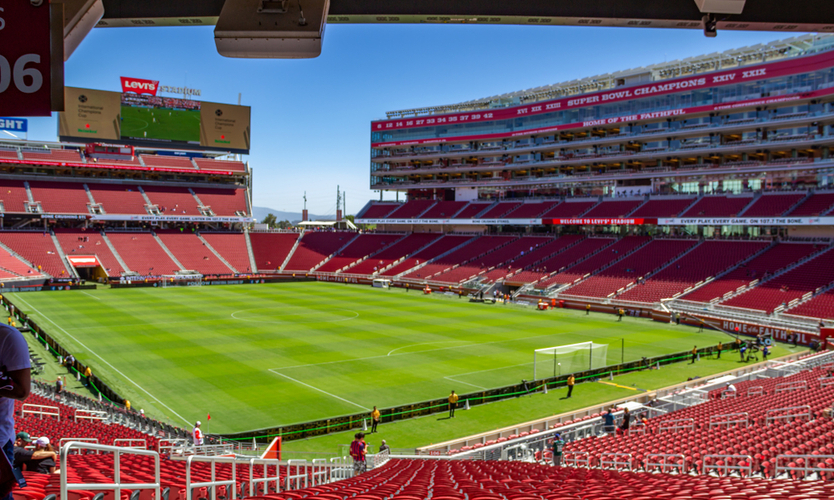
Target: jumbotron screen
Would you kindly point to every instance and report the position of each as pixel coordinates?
(147, 120)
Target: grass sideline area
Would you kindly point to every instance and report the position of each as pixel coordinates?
(161, 123)
(423, 431)
(259, 356)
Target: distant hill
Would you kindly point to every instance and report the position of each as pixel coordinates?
(261, 212)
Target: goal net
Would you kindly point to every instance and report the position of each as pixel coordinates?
(564, 359)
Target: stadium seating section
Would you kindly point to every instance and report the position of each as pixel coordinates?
(60, 197)
(364, 245)
(444, 210)
(223, 202)
(817, 204)
(232, 246)
(471, 250)
(613, 208)
(271, 249)
(772, 205)
(172, 200)
(663, 207)
(718, 206)
(142, 253)
(13, 195)
(119, 198)
(569, 209)
(411, 209)
(38, 248)
(192, 253)
(314, 247)
(89, 242)
(399, 250)
(531, 210)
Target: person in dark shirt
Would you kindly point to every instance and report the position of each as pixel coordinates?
(46, 464)
(608, 422)
(21, 454)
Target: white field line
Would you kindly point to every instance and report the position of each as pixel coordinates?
(410, 353)
(104, 360)
(465, 383)
(320, 390)
(87, 294)
(423, 343)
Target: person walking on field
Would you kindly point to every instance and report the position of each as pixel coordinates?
(374, 419)
(588, 310)
(620, 314)
(453, 402)
(720, 346)
(571, 383)
(694, 354)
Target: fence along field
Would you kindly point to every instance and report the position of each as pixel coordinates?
(258, 356)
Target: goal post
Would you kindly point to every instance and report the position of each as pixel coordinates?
(571, 358)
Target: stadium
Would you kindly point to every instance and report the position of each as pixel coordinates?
(625, 281)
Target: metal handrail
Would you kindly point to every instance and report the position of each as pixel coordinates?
(170, 444)
(90, 415)
(727, 467)
(340, 468)
(826, 381)
(790, 386)
(665, 425)
(117, 485)
(572, 458)
(755, 390)
(614, 462)
(80, 440)
(41, 410)
(715, 420)
(379, 458)
(728, 394)
(665, 461)
(253, 481)
(295, 479)
(214, 483)
(810, 462)
(789, 414)
(318, 476)
(129, 443)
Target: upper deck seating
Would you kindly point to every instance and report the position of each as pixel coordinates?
(531, 210)
(53, 155)
(411, 209)
(60, 197)
(223, 202)
(13, 195)
(718, 206)
(500, 210)
(172, 200)
(230, 165)
(379, 210)
(773, 205)
(818, 204)
(472, 210)
(168, 161)
(569, 209)
(119, 198)
(444, 210)
(613, 209)
(663, 208)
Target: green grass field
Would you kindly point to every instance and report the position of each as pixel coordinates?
(165, 124)
(258, 356)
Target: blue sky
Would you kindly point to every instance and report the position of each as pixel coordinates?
(311, 118)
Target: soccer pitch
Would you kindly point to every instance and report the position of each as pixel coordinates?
(161, 123)
(257, 356)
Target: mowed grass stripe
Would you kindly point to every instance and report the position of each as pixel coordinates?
(212, 348)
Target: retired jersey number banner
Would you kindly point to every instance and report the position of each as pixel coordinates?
(31, 58)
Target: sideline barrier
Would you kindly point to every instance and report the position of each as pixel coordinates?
(214, 483)
(117, 485)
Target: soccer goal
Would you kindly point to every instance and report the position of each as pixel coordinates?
(564, 359)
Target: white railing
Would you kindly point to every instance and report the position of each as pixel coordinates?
(90, 415)
(618, 461)
(677, 424)
(139, 444)
(729, 419)
(318, 472)
(379, 459)
(117, 485)
(168, 445)
(340, 468)
(230, 484)
(729, 463)
(809, 464)
(266, 479)
(577, 459)
(40, 410)
(729, 394)
(293, 481)
(826, 381)
(77, 440)
(206, 450)
(756, 390)
(788, 413)
(796, 385)
(665, 462)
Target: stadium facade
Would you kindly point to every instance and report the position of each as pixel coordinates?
(721, 131)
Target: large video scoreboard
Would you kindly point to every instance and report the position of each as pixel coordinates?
(153, 121)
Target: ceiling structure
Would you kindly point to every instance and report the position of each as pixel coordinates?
(757, 15)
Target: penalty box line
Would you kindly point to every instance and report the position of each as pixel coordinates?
(451, 377)
(319, 390)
